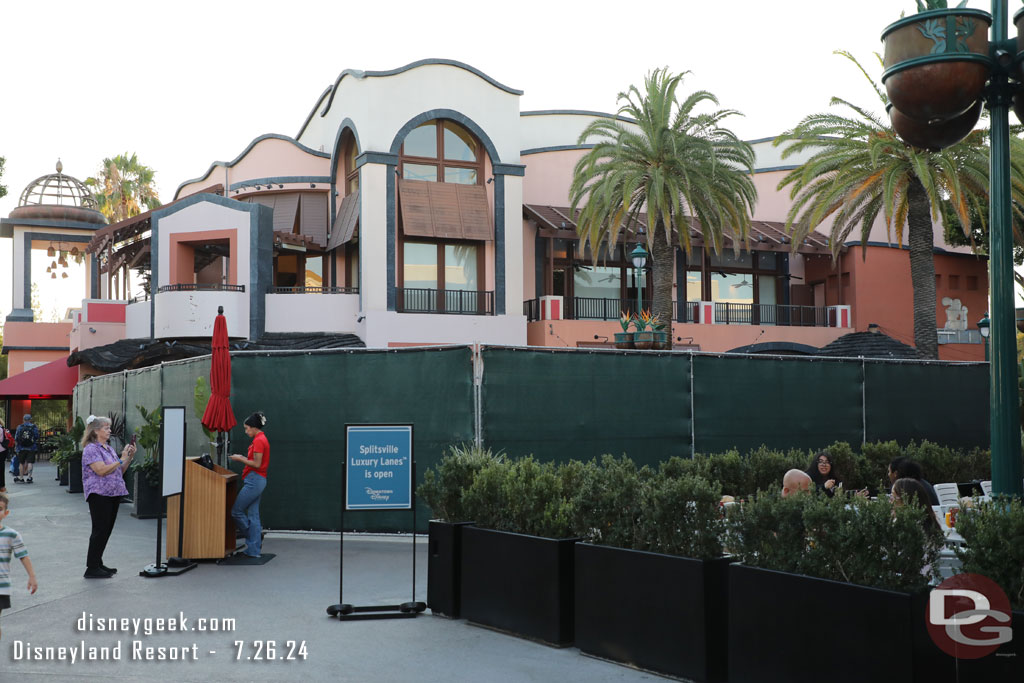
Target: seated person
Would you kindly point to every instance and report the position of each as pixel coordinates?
(795, 481)
(909, 491)
(905, 468)
(822, 474)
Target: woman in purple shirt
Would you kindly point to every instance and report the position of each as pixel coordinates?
(103, 482)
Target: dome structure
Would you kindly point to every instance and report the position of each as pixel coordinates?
(58, 196)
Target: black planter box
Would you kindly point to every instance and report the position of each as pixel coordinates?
(658, 612)
(517, 583)
(932, 665)
(444, 567)
(64, 478)
(75, 475)
(787, 627)
(794, 628)
(147, 503)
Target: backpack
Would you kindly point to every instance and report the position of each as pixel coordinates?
(25, 439)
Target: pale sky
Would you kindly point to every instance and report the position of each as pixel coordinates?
(187, 83)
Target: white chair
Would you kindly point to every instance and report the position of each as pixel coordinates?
(986, 488)
(949, 494)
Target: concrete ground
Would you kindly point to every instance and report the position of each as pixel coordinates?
(283, 601)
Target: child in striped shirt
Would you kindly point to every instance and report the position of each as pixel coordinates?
(11, 545)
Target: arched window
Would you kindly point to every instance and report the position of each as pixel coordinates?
(442, 151)
(441, 272)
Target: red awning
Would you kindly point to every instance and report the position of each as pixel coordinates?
(55, 379)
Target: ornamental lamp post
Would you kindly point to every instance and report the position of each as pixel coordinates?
(938, 65)
(639, 258)
(983, 326)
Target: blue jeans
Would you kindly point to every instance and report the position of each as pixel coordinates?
(246, 512)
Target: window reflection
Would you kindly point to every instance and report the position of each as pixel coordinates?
(599, 282)
(419, 172)
(421, 141)
(459, 145)
(314, 271)
(693, 288)
(460, 267)
(735, 288)
(462, 176)
(420, 270)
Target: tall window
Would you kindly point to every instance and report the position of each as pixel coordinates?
(441, 151)
(746, 278)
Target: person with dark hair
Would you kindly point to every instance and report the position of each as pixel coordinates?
(905, 468)
(907, 491)
(103, 484)
(823, 474)
(26, 443)
(246, 511)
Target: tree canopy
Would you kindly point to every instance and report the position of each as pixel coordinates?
(673, 163)
(123, 188)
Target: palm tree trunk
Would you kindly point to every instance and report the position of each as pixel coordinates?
(922, 270)
(663, 266)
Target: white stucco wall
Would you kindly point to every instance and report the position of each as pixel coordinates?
(384, 327)
(380, 105)
(191, 314)
(335, 313)
(136, 320)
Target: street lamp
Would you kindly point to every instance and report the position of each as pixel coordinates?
(639, 258)
(936, 83)
(983, 325)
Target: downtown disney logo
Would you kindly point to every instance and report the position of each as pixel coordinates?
(969, 616)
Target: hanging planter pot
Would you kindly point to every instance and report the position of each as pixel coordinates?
(936, 62)
(935, 136)
(623, 340)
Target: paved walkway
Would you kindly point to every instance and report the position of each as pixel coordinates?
(281, 601)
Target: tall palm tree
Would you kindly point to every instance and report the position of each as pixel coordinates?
(860, 168)
(673, 163)
(123, 187)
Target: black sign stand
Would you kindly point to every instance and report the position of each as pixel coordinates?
(346, 612)
(175, 565)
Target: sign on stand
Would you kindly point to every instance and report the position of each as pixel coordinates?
(378, 474)
(378, 467)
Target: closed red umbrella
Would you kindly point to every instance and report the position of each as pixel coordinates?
(218, 416)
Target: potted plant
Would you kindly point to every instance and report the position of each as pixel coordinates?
(74, 457)
(517, 563)
(147, 503)
(643, 338)
(624, 339)
(67, 448)
(200, 399)
(442, 490)
(661, 336)
(650, 588)
(845, 571)
(936, 61)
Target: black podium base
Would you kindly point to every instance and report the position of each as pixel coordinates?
(174, 567)
(346, 612)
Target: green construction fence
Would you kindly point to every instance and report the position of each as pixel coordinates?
(556, 404)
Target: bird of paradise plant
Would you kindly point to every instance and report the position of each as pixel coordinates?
(624, 320)
(643, 321)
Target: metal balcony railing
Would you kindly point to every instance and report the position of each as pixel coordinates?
(195, 287)
(770, 314)
(589, 308)
(314, 290)
(448, 301)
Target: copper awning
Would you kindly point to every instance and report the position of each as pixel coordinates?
(444, 210)
(557, 222)
(345, 223)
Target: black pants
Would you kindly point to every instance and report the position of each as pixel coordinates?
(103, 510)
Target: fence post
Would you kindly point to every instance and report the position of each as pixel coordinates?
(478, 375)
(863, 402)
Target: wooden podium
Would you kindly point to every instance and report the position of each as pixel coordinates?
(209, 529)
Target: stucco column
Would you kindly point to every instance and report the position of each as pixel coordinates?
(513, 247)
(21, 303)
(376, 241)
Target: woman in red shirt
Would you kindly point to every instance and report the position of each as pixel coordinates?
(246, 511)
